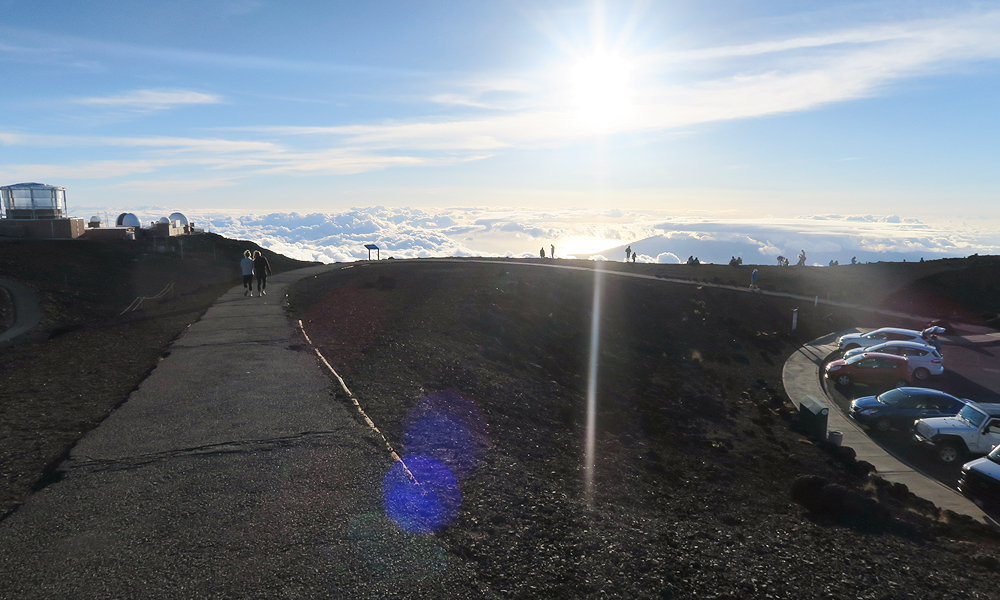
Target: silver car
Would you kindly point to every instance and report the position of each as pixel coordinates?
(924, 359)
(885, 334)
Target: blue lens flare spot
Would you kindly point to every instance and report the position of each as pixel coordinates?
(449, 428)
(423, 506)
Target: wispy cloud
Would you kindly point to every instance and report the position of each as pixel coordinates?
(792, 75)
(152, 99)
(670, 91)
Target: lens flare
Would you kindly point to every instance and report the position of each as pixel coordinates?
(422, 507)
(449, 428)
(595, 353)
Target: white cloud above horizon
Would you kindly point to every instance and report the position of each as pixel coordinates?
(417, 233)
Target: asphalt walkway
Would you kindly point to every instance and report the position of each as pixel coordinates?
(232, 472)
(801, 378)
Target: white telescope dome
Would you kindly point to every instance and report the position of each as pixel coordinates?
(178, 217)
(128, 220)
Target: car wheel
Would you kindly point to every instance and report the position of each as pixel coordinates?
(844, 379)
(921, 373)
(948, 453)
(883, 425)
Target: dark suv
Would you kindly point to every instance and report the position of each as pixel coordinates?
(980, 480)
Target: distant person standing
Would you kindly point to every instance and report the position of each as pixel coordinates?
(802, 259)
(541, 253)
(628, 252)
(633, 257)
(753, 281)
(553, 248)
(261, 269)
(246, 265)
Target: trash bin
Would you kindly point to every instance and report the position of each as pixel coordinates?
(812, 417)
(836, 437)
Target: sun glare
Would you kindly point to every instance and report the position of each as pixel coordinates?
(601, 87)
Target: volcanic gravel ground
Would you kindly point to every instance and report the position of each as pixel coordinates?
(63, 378)
(696, 453)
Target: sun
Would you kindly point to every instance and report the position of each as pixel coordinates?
(600, 87)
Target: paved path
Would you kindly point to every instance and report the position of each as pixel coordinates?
(801, 377)
(232, 472)
(26, 311)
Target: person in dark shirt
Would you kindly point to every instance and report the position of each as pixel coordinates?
(261, 269)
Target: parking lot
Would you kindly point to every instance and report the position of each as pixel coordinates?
(971, 371)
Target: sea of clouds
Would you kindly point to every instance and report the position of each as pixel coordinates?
(402, 232)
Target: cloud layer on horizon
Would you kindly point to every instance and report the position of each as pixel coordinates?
(416, 233)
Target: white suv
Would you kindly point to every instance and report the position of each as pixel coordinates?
(924, 359)
(975, 430)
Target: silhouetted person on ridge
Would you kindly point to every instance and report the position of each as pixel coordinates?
(633, 257)
(262, 269)
(628, 252)
(246, 265)
(802, 259)
(553, 253)
(541, 253)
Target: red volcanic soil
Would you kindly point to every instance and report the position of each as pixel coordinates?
(697, 457)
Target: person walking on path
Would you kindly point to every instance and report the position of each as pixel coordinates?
(753, 281)
(261, 269)
(246, 265)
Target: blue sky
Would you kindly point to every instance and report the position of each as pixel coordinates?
(729, 109)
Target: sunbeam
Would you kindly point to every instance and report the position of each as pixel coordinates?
(595, 352)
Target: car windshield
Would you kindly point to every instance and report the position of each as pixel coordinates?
(971, 415)
(893, 397)
(853, 359)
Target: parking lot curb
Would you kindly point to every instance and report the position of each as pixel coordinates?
(801, 377)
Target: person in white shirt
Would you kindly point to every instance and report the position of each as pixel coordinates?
(247, 266)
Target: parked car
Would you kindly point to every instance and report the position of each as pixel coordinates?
(870, 368)
(886, 334)
(924, 359)
(899, 408)
(980, 480)
(975, 431)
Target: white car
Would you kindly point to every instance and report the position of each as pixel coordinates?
(924, 359)
(886, 334)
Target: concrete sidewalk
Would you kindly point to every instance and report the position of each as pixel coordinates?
(801, 377)
(232, 472)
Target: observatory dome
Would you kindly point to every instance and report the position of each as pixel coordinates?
(128, 220)
(95, 219)
(178, 217)
(164, 221)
